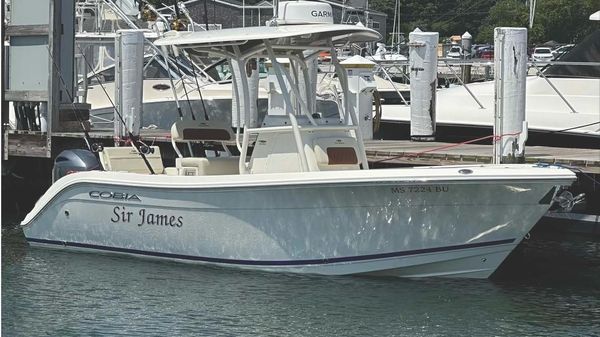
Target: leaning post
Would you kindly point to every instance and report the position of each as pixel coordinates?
(510, 67)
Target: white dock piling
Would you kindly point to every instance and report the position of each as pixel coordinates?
(129, 56)
(423, 84)
(510, 66)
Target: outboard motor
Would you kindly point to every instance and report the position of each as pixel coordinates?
(76, 160)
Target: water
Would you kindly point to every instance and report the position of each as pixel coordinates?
(549, 287)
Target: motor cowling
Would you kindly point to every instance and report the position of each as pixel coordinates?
(76, 160)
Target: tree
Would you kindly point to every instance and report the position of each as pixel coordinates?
(505, 13)
(559, 20)
(563, 20)
(448, 17)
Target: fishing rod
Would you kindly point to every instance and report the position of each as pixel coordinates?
(198, 86)
(181, 76)
(164, 54)
(178, 66)
(182, 7)
(131, 136)
(176, 59)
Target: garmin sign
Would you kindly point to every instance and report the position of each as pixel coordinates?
(304, 12)
(317, 14)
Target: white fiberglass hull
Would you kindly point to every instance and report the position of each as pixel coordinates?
(545, 110)
(403, 222)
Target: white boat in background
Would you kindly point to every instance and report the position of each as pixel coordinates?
(304, 200)
(382, 54)
(571, 120)
(169, 84)
(547, 114)
(160, 101)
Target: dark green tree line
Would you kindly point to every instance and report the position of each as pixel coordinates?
(559, 20)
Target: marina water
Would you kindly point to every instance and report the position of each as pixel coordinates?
(550, 286)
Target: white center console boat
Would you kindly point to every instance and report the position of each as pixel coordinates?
(300, 197)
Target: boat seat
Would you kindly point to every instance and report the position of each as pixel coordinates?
(190, 130)
(128, 159)
(213, 130)
(207, 166)
(334, 153)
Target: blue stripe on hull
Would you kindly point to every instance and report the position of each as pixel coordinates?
(275, 262)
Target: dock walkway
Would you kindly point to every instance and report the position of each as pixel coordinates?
(405, 152)
(384, 152)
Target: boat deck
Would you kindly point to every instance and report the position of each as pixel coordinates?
(405, 152)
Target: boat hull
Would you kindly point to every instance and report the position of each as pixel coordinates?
(403, 226)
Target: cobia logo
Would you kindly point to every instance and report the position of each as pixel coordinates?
(320, 14)
(113, 195)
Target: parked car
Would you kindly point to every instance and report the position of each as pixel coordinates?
(476, 47)
(455, 52)
(486, 53)
(542, 54)
(558, 52)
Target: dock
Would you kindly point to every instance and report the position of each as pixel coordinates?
(36, 144)
(410, 153)
(379, 152)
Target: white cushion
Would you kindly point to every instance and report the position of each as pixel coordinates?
(210, 166)
(336, 153)
(128, 159)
